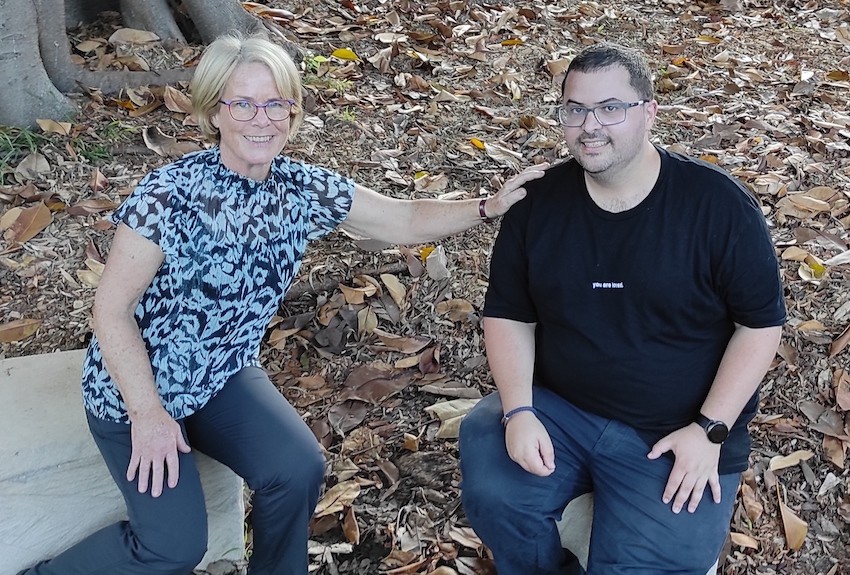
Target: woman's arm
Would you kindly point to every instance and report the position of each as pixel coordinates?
(380, 217)
(132, 264)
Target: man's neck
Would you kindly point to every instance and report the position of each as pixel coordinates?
(629, 186)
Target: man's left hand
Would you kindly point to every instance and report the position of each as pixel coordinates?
(695, 467)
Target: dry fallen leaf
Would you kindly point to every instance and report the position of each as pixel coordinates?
(784, 461)
(743, 540)
(450, 414)
(357, 295)
(54, 127)
(795, 528)
(28, 223)
(132, 36)
(337, 498)
(18, 329)
(841, 383)
(32, 166)
(457, 309)
(350, 527)
(166, 146)
(840, 342)
(90, 206)
(177, 101)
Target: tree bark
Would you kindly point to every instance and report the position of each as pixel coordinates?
(37, 68)
(153, 16)
(26, 92)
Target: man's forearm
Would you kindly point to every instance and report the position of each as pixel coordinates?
(744, 364)
(510, 352)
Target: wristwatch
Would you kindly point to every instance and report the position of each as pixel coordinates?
(716, 431)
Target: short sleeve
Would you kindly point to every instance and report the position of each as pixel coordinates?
(749, 274)
(330, 196)
(508, 295)
(149, 211)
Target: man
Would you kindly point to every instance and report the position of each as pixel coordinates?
(634, 306)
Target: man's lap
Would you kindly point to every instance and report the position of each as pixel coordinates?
(631, 523)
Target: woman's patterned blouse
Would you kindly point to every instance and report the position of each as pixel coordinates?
(232, 247)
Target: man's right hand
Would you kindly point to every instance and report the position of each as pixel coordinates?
(529, 444)
(156, 440)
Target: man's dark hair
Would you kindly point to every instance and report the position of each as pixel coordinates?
(605, 55)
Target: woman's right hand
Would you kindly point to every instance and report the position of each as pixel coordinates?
(156, 439)
(529, 445)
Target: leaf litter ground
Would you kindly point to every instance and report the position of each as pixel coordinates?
(380, 348)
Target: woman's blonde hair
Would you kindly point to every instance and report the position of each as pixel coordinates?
(219, 60)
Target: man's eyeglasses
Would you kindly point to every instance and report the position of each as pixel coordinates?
(573, 116)
(246, 110)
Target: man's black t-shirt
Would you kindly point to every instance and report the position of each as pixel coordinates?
(634, 309)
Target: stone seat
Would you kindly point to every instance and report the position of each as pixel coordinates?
(574, 527)
(54, 487)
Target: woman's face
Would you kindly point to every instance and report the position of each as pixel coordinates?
(248, 147)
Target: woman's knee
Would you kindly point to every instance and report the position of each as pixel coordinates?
(173, 553)
(301, 470)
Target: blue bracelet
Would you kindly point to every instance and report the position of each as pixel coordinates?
(516, 410)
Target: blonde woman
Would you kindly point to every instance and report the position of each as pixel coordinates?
(205, 250)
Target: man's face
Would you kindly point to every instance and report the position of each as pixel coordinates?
(605, 150)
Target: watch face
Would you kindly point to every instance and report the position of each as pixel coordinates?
(717, 432)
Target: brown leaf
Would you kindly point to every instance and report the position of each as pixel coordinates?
(322, 430)
(32, 166)
(374, 391)
(337, 498)
(390, 470)
(743, 540)
(752, 505)
(91, 206)
(835, 450)
(132, 36)
(429, 361)
(404, 344)
(840, 342)
(345, 416)
(411, 442)
(364, 373)
(18, 329)
(457, 309)
(350, 527)
(28, 223)
(177, 101)
(794, 527)
(396, 289)
(357, 295)
(54, 127)
(97, 181)
(842, 389)
(450, 414)
(92, 253)
(783, 461)
(311, 382)
(166, 146)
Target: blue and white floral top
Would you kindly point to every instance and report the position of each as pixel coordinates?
(232, 247)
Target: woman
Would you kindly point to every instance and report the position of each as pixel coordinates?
(205, 250)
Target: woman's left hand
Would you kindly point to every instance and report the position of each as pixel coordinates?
(512, 191)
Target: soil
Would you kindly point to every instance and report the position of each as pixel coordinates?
(447, 99)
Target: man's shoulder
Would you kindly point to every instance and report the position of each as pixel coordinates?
(702, 177)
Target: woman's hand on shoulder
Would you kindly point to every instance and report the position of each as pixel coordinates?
(513, 190)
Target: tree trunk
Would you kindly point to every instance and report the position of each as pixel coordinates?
(214, 18)
(37, 67)
(26, 92)
(153, 16)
